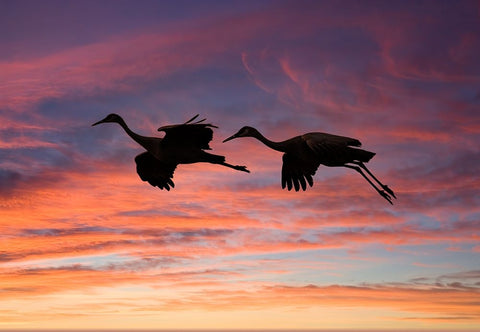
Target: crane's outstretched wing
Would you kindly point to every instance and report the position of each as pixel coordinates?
(297, 172)
(191, 134)
(336, 150)
(323, 143)
(153, 171)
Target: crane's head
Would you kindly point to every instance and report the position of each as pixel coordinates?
(110, 118)
(244, 132)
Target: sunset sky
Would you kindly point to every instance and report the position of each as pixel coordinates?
(84, 243)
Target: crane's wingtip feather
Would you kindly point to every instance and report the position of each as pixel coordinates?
(196, 116)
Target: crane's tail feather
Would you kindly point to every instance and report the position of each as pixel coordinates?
(361, 155)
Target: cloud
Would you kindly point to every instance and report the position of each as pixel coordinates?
(8, 179)
(471, 277)
(422, 296)
(76, 219)
(425, 300)
(121, 63)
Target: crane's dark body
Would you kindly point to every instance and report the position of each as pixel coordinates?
(338, 154)
(182, 144)
(303, 155)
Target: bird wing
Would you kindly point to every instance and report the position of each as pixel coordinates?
(298, 172)
(192, 134)
(155, 172)
(322, 143)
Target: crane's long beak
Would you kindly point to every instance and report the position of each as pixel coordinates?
(230, 138)
(104, 120)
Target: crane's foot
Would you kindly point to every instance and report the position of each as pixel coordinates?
(386, 196)
(241, 168)
(388, 190)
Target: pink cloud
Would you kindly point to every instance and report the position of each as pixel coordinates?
(122, 62)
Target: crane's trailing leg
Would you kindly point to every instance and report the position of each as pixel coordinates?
(237, 167)
(385, 187)
(381, 192)
(220, 160)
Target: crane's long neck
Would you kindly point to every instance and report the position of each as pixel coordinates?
(142, 140)
(271, 144)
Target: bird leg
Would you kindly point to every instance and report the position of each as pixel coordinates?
(219, 160)
(381, 192)
(385, 187)
(237, 167)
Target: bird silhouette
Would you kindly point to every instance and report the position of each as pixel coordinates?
(305, 153)
(182, 144)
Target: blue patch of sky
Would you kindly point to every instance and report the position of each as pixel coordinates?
(115, 261)
(422, 222)
(319, 267)
(404, 262)
(84, 110)
(216, 88)
(92, 262)
(37, 159)
(261, 179)
(77, 135)
(257, 208)
(208, 89)
(373, 263)
(69, 231)
(341, 43)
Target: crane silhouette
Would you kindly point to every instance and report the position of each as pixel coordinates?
(182, 144)
(305, 153)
